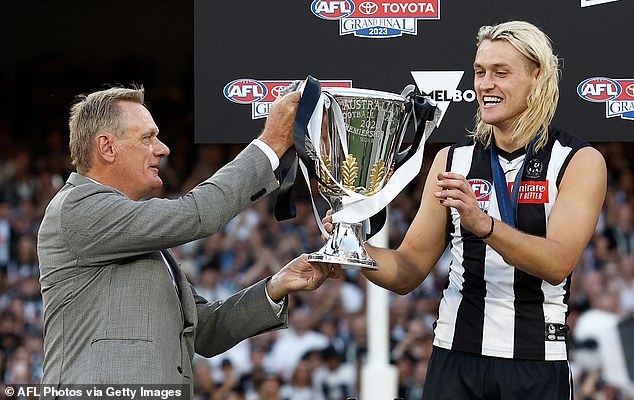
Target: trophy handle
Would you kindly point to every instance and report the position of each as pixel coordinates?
(285, 200)
(408, 90)
(307, 104)
(423, 111)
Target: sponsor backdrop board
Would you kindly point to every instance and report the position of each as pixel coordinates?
(246, 50)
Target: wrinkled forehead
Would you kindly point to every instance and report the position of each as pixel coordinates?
(135, 116)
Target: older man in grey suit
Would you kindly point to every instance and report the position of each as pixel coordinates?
(117, 307)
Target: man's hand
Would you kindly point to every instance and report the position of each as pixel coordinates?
(278, 129)
(327, 223)
(457, 193)
(298, 275)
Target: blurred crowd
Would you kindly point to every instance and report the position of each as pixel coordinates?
(321, 354)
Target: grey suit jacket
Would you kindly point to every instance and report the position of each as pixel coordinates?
(112, 313)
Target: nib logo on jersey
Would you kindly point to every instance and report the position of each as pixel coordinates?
(376, 19)
(442, 87)
(617, 94)
(261, 94)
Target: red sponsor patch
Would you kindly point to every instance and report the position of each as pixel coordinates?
(531, 192)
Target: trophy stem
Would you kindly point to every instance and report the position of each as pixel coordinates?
(345, 247)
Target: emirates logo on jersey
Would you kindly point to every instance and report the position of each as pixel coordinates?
(531, 192)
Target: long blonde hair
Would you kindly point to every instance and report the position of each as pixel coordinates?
(536, 46)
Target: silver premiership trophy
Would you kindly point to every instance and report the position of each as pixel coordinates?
(352, 147)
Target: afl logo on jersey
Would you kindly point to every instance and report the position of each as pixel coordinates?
(482, 190)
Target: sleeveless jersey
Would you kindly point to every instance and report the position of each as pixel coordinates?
(489, 307)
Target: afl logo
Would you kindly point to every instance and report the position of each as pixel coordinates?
(332, 9)
(481, 188)
(599, 90)
(245, 91)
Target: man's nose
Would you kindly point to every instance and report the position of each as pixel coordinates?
(486, 82)
(161, 149)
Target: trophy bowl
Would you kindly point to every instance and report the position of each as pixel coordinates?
(362, 131)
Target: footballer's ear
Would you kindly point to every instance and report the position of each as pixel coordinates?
(535, 73)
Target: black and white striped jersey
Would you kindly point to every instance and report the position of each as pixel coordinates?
(488, 307)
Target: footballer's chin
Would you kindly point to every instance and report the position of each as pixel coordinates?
(487, 117)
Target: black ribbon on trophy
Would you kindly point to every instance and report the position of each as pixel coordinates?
(348, 141)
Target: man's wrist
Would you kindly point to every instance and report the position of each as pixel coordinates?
(490, 230)
(274, 290)
(277, 306)
(270, 153)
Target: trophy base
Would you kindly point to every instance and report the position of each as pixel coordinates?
(347, 263)
(345, 247)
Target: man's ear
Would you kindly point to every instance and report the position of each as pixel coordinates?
(106, 147)
(535, 74)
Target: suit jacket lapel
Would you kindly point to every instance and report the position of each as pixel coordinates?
(184, 290)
